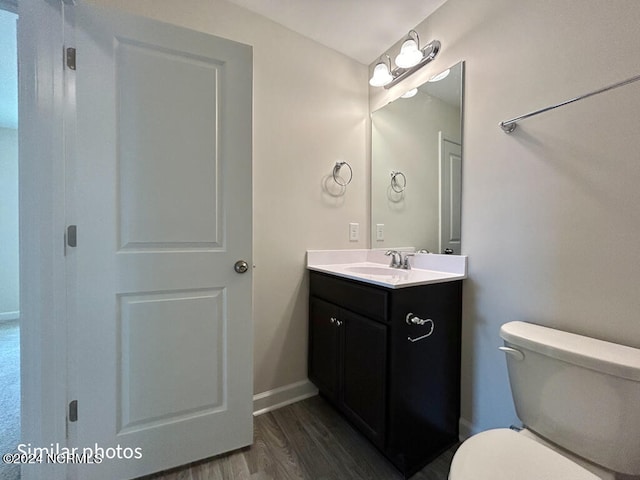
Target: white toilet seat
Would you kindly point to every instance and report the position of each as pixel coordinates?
(504, 454)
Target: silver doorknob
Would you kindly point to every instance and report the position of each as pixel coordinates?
(241, 266)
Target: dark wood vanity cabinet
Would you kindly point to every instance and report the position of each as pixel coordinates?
(403, 395)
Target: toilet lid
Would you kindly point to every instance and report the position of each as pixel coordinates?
(504, 454)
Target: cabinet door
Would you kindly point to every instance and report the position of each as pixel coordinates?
(364, 373)
(324, 348)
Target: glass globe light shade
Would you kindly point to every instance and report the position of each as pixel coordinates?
(409, 55)
(381, 75)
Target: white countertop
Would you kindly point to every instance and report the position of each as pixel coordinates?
(372, 266)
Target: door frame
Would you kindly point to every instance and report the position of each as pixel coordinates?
(43, 324)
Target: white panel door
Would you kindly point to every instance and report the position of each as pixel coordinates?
(162, 202)
(450, 195)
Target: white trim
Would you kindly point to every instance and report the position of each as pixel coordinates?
(466, 429)
(9, 316)
(282, 396)
(43, 327)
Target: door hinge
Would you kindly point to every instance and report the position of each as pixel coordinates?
(73, 411)
(72, 236)
(70, 58)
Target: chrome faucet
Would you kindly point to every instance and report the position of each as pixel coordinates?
(405, 263)
(398, 261)
(396, 258)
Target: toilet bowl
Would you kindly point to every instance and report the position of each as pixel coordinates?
(504, 454)
(578, 398)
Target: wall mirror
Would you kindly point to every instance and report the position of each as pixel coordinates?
(416, 167)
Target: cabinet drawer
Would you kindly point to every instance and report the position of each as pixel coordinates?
(365, 300)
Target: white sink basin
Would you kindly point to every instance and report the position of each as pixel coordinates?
(379, 271)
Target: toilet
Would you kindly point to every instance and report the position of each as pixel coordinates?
(579, 401)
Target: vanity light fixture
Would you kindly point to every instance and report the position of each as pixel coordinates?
(410, 55)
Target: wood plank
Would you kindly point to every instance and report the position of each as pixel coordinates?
(346, 444)
(307, 440)
(271, 456)
(313, 460)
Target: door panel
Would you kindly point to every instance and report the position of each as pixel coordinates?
(154, 388)
(161, 159)
(324, 347)
(162, 200)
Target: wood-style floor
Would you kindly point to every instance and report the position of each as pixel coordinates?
(306, 440)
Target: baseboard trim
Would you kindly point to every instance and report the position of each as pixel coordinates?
(466, 429)
(9, 316)
(279, 397)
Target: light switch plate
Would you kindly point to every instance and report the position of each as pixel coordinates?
(354, 232)
(379, 232)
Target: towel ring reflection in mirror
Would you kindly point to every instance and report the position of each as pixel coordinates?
(398, 185)
(336, 174)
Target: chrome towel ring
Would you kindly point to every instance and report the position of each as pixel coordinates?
(398, 185)
(411, 319)
(336, 174)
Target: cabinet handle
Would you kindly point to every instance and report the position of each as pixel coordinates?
(333, 320)
(428, 320)
(338, 322)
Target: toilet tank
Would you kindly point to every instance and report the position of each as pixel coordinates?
(580, 393)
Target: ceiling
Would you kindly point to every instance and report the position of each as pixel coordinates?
(361, 29)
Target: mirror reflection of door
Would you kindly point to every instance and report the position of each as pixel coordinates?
(9, 265)
(450, 195)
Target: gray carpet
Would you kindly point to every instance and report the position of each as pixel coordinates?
(9, 395)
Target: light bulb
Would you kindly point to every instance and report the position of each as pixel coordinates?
(409, 55)
(381, 75)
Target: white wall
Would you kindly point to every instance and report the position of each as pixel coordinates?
(9, 272)
(551, 213)
(310, 110)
